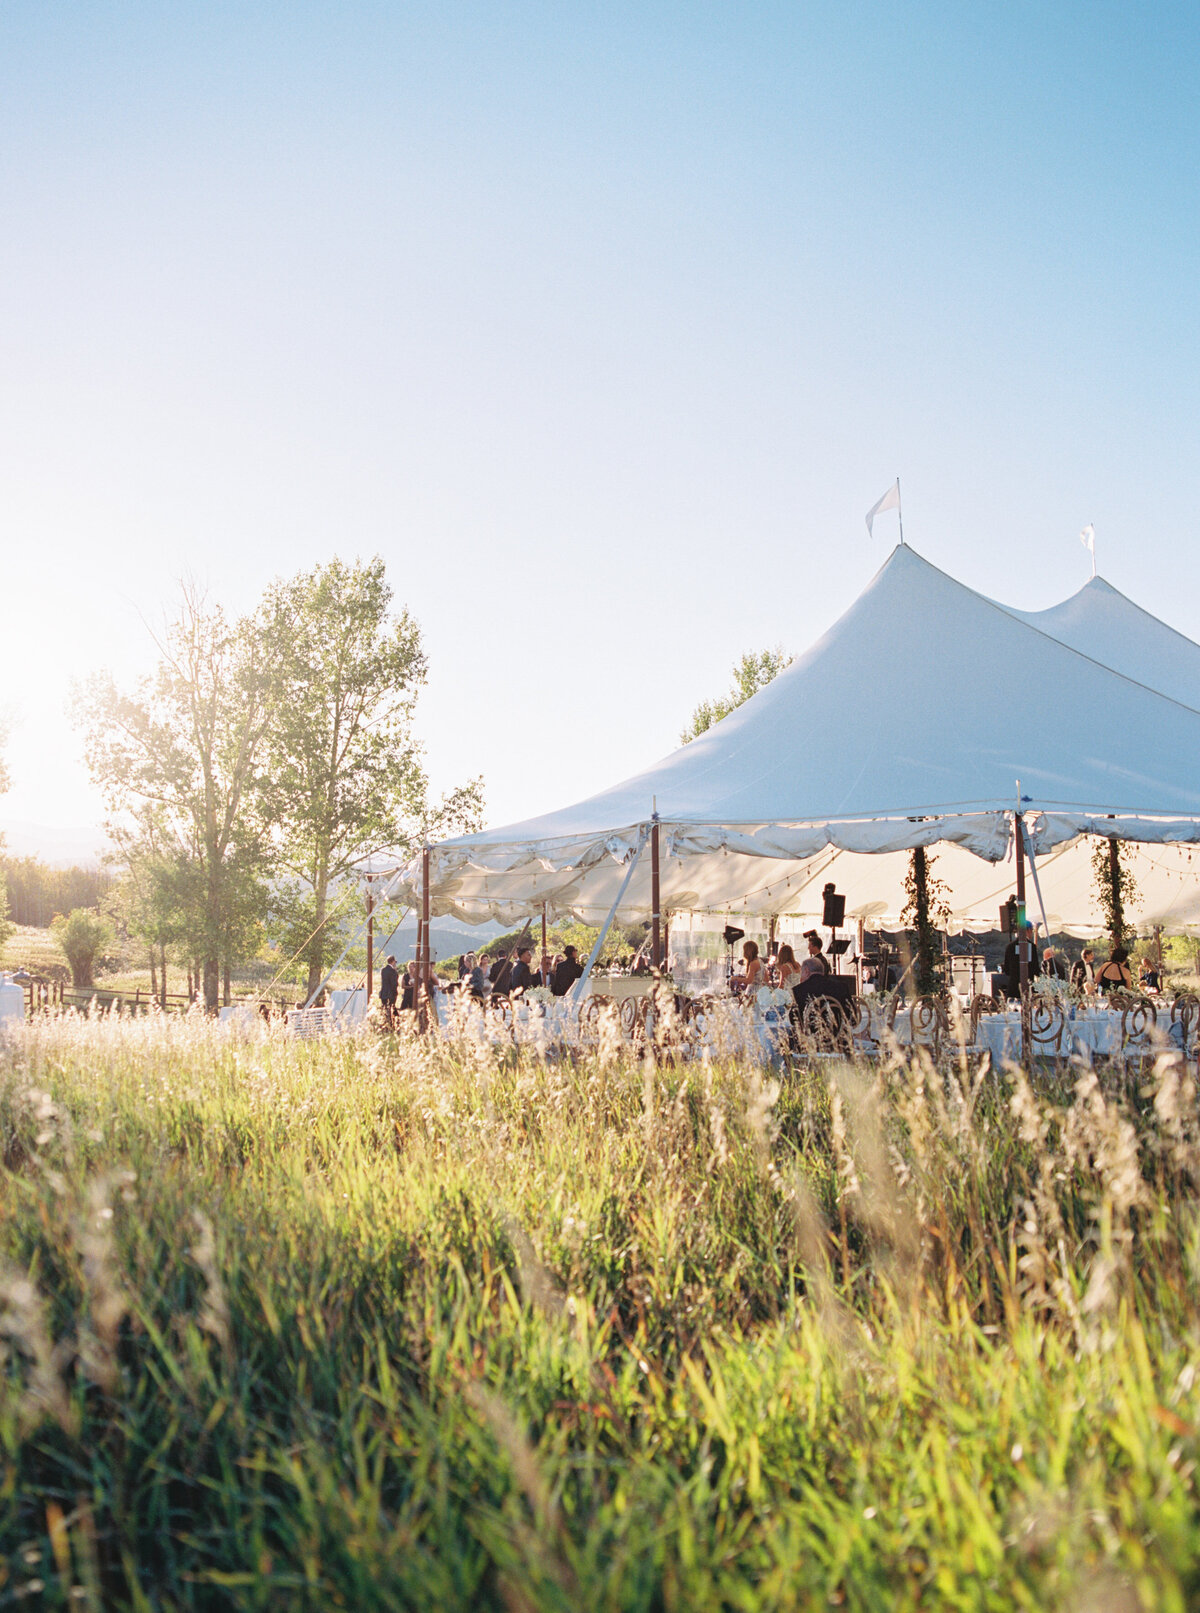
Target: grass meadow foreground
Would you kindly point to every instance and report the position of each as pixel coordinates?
(369, 1324)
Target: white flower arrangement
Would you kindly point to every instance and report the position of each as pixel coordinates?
(773, 997)
(1050, 986)
(538, 994)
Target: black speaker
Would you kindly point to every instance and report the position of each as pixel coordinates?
(834, 915)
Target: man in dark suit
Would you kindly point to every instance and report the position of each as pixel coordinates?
(567, 973)
(389, 988)
(522, 974)
(501, 977)
(1012, 961)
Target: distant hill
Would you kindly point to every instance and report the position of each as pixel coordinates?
(448, 938)
(61, 847)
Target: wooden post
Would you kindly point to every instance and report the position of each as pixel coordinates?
(424, 955)
(1022, 943)
(370, 941)
(543, 935)
(655, 918)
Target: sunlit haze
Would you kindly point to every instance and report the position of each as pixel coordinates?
(603, 325)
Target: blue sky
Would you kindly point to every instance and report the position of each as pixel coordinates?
(603, 324)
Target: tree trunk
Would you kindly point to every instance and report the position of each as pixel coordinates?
(225, 997)
(153, 977)
(191, 987)
(212, 984)
(317, 945)
(162, 974)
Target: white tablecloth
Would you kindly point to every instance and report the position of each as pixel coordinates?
(1091, 1033)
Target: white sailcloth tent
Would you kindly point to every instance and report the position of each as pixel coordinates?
(962, 698)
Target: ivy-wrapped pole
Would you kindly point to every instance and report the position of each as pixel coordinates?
(1118, 906)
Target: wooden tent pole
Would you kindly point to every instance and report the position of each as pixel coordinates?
(1022, 943)
(655, 917)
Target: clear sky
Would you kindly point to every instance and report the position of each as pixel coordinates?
(603, 323)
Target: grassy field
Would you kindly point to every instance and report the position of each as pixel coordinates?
(366, 1325)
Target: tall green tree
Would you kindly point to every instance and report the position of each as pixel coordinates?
(178, 759)
(752, 673)
(344, 776)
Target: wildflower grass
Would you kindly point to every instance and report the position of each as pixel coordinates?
(372, 1322)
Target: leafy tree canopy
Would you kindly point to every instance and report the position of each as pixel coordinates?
(752, 673)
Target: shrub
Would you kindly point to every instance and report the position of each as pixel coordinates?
(83, 936)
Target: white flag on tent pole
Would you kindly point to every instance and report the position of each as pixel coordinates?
(889, 501)
(1088, 538)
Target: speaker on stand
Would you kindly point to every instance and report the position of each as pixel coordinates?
(732, 935)
(833, 916)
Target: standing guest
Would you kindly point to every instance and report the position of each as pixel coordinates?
(1012, 961)
(410, 980)
(501, 977)
(816, 963)
(389, 989)
(1148, 975)
(479, 980)
(1053, 966)
(545, 972)
(465, 964)
(787, 964)
(1083, 973)
(1114, 975)
(755, 973)
(568, 972)
(522, 975)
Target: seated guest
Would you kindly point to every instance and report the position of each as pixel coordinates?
(816, 963)
(522, 975)
(567, 973)
(1114, 975)
(755, 974)
(788, 967)
(1148, 975)
(1083, 973)
(1053, 966)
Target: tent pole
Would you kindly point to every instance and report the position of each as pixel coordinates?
(424, 954)
(655, 917)
(1022, 943)
(542, 959)
(581, 984)
(1037, 885)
